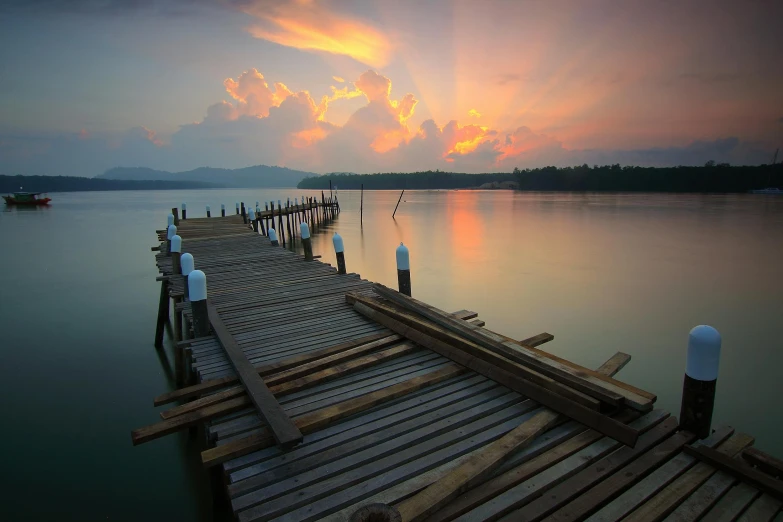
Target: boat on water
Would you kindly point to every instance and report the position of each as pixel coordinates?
(768, 190)
(26, 198)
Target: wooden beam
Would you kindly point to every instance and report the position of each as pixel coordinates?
(616, 363)
(602, 423)
(606, 391)
(316, 420)
(285, 432)
(475, 350)
(764, 461)
(739, 469)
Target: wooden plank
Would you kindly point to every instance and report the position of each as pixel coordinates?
(764, 462)
(476, 469)
(371, 341)
(319, 419)
(603, 389)
(595, 420)
(739, 469)
(732, 504)
(482, 464)
(283, 429)
(763, 509)
(616, 363)
(441, 334)
(655, 482)
(667, 500)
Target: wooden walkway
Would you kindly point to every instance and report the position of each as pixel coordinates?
(435, 414)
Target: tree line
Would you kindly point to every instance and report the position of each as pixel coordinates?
(711, 177)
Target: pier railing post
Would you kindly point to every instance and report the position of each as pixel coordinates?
(197, 288)
(186, 265)
(175, 211)
(253, 221)
(237, 209)
(273, 237)
(170, 233)
(170, 220)
(176, 253)
(244, 215)
(184, 211)
(222, 210)
(403, 270)
(339, 251)
(701, 378)
(209, 214)
(307, 243)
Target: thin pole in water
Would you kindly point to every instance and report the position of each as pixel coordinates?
(398, 203)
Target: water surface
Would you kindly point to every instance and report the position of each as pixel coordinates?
(602, 272)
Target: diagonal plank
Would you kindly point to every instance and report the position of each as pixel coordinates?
(283, 429)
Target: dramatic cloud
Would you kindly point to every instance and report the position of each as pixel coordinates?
(314, 25)
(275, 125)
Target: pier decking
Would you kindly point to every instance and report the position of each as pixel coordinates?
(384, 418)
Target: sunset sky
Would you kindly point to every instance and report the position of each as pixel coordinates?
(374, 85)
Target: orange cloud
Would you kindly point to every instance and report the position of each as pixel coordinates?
(312, 26)
(253, 93)
(338, 79)
(474, 113)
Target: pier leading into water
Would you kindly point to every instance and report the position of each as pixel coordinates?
(323, 396)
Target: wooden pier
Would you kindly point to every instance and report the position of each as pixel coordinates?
(323, 396)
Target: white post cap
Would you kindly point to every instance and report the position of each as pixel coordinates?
(184, 207)
(338, 243)
(252, 213)
(222, 206)
(279, 204)
(256, 203)
(187, 264)
(172, 231)
(305, 230)
(237, 205)
(296, 201)
(176, 243)
(272, 234)
(197, 285)
(703, 353)
(403, 258)
(170, 220)
(208, 209)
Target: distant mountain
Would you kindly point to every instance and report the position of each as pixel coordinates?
(259, 176)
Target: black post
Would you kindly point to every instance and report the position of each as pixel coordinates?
(398, 203)
(701, 379)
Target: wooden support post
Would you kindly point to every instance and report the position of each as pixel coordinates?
(184, 211)
(361, 208)
(244, 214)
(701, 378)
(197, 288)
(307, 243)
(222, 210)
(175, 211)
(163, 313)
(280, 228)
(260, 221)
(170, 233)
(339, 251)
(403, 270)
(176, 253)
(237, 209)
(209, 214)
(398, 203)
(288, 222)
(266, 207)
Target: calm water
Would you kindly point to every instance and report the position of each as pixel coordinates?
(601, 272)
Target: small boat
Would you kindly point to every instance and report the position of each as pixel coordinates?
(768, 190)
(26, 198)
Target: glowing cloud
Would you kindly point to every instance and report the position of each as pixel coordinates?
(338, 79)
(473, 113)
(313, 26)
(253, 93)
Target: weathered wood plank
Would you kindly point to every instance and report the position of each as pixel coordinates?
(595, 420)
(763, 509)
(732, 504)
(764, 461)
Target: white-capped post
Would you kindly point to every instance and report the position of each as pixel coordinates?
(273, 237)
(339, 251)
(253, 221)
(176, 253)
(403, 270)
(197, 289)
(170, 220)
(701, 379)
(186, 265)
(307, 243)
(184, 211)
(237, 209)
(222, 210)
(170, 232)
(209, 214)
